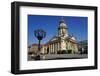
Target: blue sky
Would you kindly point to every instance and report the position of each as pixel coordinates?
(78, 26)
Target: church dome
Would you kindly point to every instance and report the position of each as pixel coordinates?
(62, 24)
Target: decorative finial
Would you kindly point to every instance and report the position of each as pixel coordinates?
(62, 20)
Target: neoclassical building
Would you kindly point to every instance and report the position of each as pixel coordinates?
(61, 42)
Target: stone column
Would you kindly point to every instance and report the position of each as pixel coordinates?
(52, 48)
(58, 46)
(55, 47)
(49, 48)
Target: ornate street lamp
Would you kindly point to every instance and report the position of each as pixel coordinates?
(39, 34)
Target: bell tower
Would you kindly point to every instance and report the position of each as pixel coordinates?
(62, 29)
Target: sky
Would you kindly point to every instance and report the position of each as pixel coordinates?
(77, 26)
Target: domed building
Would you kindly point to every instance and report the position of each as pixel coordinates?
(62, 42)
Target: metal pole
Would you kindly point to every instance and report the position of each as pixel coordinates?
(39, 46)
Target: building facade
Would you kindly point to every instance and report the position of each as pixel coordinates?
(62, 42)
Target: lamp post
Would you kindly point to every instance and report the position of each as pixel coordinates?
(39, 34)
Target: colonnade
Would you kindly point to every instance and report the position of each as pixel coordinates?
(54, 47)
